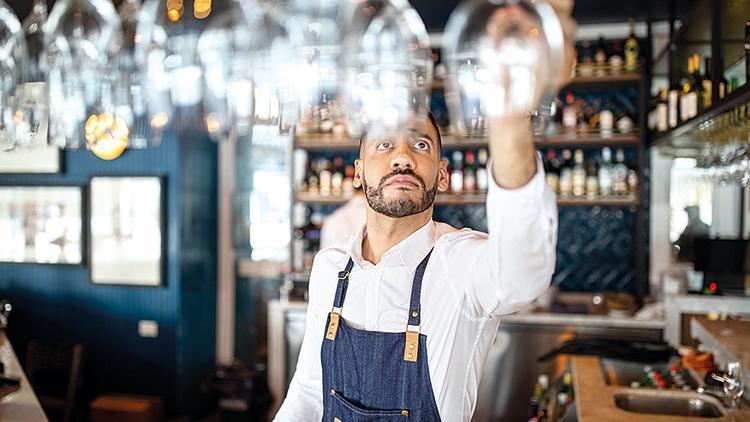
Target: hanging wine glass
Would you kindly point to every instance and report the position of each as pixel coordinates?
(82, 35)
(31, 123)
(167, 55)
(245, 54)
(503, 57)
(13, 57)
(318, 78)
(128, 92)
(387, 66)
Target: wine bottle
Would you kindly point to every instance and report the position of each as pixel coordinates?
(706, 84)
(662, 113)
(673, 105)
(579, 174)
(600, 58)
(482, 177)
(747, 51)
(605, 172)
(457, 175)
(631, 50)
(470, 179)
(570, 113)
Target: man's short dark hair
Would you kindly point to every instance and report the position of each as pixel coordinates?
(434, 124)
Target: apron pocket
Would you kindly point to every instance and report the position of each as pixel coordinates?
(345, 411)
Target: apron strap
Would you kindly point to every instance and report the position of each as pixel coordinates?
(343, 283)
(411, 346)
(338, 301)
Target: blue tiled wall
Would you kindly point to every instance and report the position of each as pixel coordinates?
(60, 302)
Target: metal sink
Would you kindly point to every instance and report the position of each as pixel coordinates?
(673, 403)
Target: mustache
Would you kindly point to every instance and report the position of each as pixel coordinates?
(402, 172)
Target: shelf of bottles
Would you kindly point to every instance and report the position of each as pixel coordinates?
(693, 87)
(578, 178)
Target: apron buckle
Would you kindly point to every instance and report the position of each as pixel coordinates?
(333, 326)
(411, 349)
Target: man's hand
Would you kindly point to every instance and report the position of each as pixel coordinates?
(511, 145)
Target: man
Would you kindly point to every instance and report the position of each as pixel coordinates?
(401, 317)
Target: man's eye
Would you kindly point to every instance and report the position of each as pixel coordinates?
(384, 145)
(422, 145)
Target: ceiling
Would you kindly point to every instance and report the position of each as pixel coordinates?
(435, 12)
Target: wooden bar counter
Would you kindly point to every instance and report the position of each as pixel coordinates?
(21, 405)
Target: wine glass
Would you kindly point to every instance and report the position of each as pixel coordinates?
(31, 122)
(245, 54)
(82, 36)
(13, 58)
(503, 58)
(387, 66)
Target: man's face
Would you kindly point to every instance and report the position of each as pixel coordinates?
(401, 174)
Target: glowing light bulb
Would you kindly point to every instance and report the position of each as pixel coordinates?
(106, 135)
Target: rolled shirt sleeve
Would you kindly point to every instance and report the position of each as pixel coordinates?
(514, 263)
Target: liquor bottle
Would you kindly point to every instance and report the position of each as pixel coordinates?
(605, 172)
(586, 65)
(539, 400)
(688, 101)
(313, 182)
(662, 112)
(482, 177)
(337, 177)
(631, 50)
(606, 122)
(706, 83)
(696, 85)
(347, 185)
(457, 174)
(592, 181)
(579, 174)
(325, 176)
(747, 52)
(620, 174)
(566, 174)
(470, 178)
(566, 395)
(600, 58)
(312, 238)
(632, 181)
(615, 60)
(673, 105)
(552, 171)
(624, 123)
(570, 113)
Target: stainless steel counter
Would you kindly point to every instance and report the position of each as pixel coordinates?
(21, 405)
(511, 368)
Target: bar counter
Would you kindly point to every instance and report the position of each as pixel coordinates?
(21, 405)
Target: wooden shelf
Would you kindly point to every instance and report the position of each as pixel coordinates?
(480, 198)
(627, 77)
(328, 142)
(683, 136)
(584, 140)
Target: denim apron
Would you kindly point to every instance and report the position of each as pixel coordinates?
(373, 376)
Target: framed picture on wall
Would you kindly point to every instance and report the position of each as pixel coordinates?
(37, 159)
(126, 228)
(41, 224)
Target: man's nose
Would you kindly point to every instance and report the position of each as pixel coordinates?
(402, 159)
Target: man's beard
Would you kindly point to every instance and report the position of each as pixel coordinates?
(399, 207)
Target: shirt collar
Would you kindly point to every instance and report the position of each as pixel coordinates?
(409, 252)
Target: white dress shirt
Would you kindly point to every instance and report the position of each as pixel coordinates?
(472, 278)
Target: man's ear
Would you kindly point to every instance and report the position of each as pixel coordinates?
(358, 168)
(443, 179)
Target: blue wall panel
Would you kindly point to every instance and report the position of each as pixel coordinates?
(60, 302)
